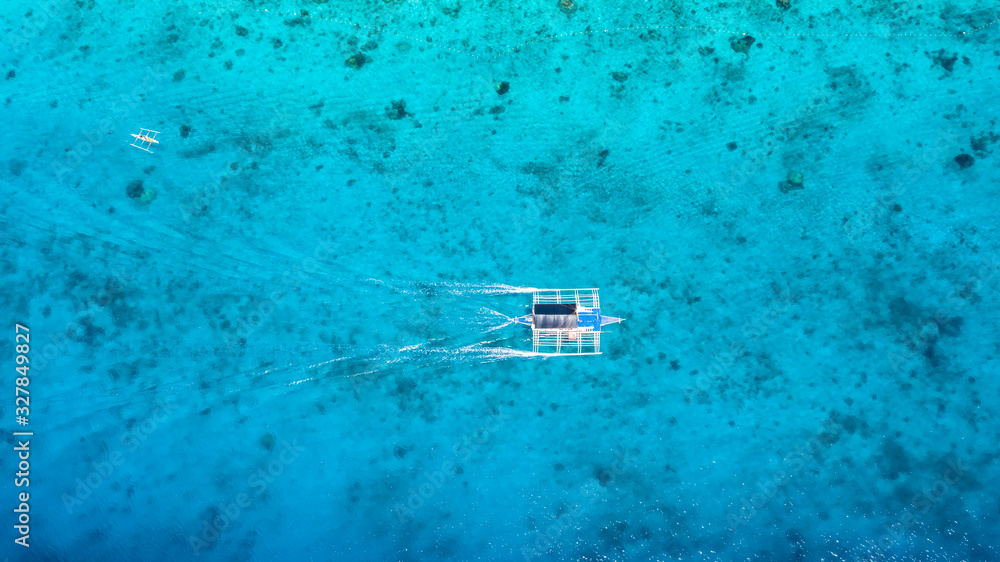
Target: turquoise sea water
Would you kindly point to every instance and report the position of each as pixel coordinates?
(300, 348)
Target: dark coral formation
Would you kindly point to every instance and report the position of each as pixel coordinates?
(356, 61)
(602, 156)
(944, 60)
(140, 193)
(134, 189)
(741, 43)
(980, 145)
(17, 167)
(792, 183)
(398, 110)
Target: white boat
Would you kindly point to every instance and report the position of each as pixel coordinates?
(566, 322)
(144, 139)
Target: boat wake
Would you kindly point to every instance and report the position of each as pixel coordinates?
(466, 336)
(300, 364)
(489, 313)
(360, 369)
(451, 289)
(351, 362)
(466, 289)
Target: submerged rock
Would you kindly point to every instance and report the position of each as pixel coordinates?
(964, 161)
(356, 61)
(980, 144)
(567, 6)
(134, 189)
(792, 183)
(138, 192)
(944, 60)
(397, 110)
(602, 156)
(502, 87)
(741, 44)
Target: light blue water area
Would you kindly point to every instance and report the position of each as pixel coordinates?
(300, 348)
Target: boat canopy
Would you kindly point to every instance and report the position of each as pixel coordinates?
(560, 316)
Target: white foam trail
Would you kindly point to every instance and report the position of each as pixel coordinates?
(474, 353)
(453, 289)
(337, 362)
(490, 312)
(493, 354)
(423, 355)
(356, 361)
(463, 289)
(496, 313)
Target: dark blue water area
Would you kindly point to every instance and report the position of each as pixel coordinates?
(286, 332)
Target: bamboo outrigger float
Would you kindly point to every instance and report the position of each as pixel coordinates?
(566, 322)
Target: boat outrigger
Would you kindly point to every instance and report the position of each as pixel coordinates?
(566, 322)
(145, 138)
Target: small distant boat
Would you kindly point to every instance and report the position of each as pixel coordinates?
(145, 138)
(566, 322)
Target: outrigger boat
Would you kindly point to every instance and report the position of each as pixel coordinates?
(144, 138)
(566, 322)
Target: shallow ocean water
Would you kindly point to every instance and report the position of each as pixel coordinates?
(300, 349)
